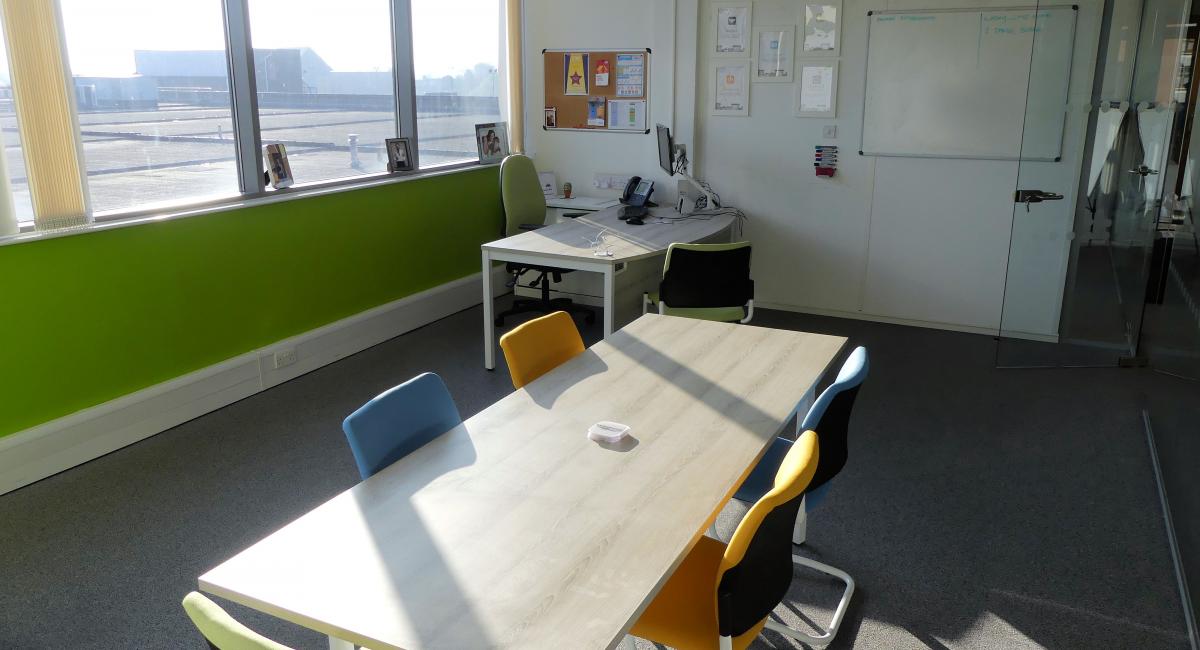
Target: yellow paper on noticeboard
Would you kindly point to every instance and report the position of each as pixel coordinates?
(576, 74)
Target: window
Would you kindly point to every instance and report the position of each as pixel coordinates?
(161, 91)
(456, 56)
(325, 85)
(14, 159)
(152, 90)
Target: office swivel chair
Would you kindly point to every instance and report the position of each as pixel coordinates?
(705, 281)
(221, 630)
(525, 209)
(722, 596)
(830, 415)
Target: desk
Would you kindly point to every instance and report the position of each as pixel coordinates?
(585, 203)
(570, 245)
(514, 529)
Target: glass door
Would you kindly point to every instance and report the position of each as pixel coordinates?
(1084, 221)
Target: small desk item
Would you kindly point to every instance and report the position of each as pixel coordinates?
(514, 529)
(574, 244)
(590, 203)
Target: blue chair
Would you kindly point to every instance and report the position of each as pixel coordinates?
(399, 422)
(830, 418)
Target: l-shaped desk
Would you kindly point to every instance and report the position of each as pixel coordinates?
(598, 242)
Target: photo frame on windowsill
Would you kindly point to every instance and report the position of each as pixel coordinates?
(279, 170)
(399, 153)
(491, 141)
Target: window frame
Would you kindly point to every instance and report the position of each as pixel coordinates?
(239, 53)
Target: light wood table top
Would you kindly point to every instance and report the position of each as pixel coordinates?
(514, 529)
(576, 238)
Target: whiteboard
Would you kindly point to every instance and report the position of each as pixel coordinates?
(952, 83)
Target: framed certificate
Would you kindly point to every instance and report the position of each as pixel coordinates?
(816, 94)
(732, 27)
(730, 83)
(822, 34)
(774, 54)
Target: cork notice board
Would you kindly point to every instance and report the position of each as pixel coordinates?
(614, 90)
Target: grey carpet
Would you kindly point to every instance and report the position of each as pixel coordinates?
(980, 508)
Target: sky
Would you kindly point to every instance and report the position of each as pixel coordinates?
(450, 36)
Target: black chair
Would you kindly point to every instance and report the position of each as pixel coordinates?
(525, 209)
(705, 281)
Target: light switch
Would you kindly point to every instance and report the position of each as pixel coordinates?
(830, 132)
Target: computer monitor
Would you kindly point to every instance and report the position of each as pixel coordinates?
(666, 152)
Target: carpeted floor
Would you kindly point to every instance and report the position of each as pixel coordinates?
(980, 508)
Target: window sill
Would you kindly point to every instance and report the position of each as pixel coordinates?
(125, 219)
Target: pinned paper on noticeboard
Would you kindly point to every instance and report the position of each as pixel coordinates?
(602, 71)
(576, 77)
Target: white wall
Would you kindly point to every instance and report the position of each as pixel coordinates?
(923, 241)
(576, 157)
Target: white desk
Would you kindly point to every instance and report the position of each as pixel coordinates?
(571, 245)
(514, 529)
(586, 203)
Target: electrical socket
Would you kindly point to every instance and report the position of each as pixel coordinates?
(285, 358)
(609, 181)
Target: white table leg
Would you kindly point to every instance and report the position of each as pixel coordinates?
(489, 327)
(338, 644)
(610, 291)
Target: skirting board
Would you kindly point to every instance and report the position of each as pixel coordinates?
(47, 449)
(875, 318)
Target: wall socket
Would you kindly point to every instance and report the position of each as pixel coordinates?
(610, 181)
(830, 131)
(285, 358)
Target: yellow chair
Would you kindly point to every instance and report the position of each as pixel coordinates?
(538, 346)
(721, 597)
(221, 630)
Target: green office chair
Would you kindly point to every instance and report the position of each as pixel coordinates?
(221, 630)
(705, 281)
(525, 209)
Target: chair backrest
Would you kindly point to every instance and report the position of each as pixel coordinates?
(707, 275)
(521, 193)
(536, 347)
(399, 422)
(756, 570)
(830, 415)
(221, 630)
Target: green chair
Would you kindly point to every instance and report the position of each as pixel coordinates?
(221, 630)
(705, 281)
(525, 209)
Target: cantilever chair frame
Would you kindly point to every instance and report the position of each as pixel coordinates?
(849, 379)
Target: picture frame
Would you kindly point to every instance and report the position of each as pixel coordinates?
(821, 28)
(816, 90)
(775, 54)
(729, 82)
(491, 141)
(279, 170)
(551, 117)
(399, 153)
(733, 28)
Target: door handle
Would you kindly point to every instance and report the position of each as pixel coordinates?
(1144, 171)
(1035, 196)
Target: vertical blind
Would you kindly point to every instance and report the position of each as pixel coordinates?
(45, 104)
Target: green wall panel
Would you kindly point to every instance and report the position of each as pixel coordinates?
(87, 318)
